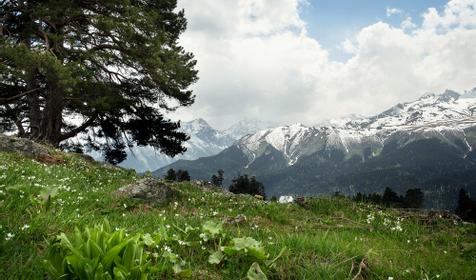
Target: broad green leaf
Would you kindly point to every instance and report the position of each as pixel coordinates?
(186, 273)
(171, 257)
(255, 273)
(216, 257)
(212, 228)
(113, 253)
(245, 243)
(148, 240)
(177, 268)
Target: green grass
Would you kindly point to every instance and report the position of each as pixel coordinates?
(326, 239)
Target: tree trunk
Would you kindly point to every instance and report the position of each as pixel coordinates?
(52, 120)
(33, 100)
(34, 114)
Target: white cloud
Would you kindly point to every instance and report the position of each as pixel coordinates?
(393, 11)
(407, 24)
(256, 60)
(348, 46)
(457, 14)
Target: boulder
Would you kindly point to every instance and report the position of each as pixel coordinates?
(239, 219)
(149, 189)
(23, 146)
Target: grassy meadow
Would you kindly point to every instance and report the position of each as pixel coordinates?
(198, 234)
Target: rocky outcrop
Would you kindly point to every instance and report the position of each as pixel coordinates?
(23, 146)
(149, 189)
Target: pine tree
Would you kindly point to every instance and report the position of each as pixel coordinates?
(217, 179)
(182, 175)
(171, 175)
(413, 198)
(245, 185)
(466, 207)
(391, 198)
(116, 65)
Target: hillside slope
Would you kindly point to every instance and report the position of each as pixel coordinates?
(324, 238)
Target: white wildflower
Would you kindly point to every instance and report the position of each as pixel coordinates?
(370, 218)
(9, 236)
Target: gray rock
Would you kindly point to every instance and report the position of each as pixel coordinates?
(149, 189)
(239, 219)
(21, 145)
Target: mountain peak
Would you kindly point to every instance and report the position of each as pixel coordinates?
(470, 93)
(448, 95)
(195, 126)
(199, 121)
(298, 125)
(247, 126)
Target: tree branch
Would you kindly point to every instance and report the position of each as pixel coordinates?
(21, 129)
(78, 129)
(106, 47)
(7, 100)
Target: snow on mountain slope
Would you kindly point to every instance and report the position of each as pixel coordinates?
(430, 110)
(443, 116)
(285, 139)
(204, 137)
(204, 141)
(247, 126)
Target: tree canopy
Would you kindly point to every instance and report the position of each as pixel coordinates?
(171, 175)
(217, 179)
(414, 198)
(182, 175)
(245, 185)
(466, 207)
(109, 69)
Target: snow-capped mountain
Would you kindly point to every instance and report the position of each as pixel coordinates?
(430, 116)
(420, 143)
(431, 110)
(204, 141)
(247, 126)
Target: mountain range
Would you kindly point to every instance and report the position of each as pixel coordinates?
(204, 141)
(429, 143)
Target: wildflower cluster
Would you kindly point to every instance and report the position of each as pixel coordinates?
(384, 220)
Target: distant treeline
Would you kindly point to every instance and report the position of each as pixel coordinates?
(240, 185)
(414, 198)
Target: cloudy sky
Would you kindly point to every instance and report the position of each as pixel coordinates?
(305, 61)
